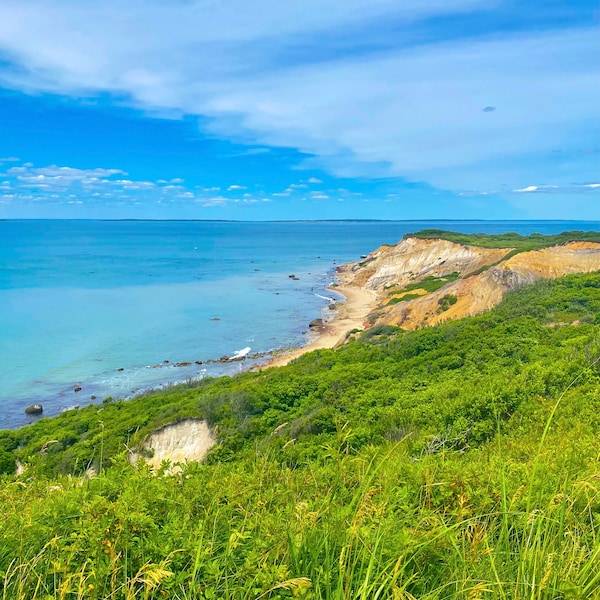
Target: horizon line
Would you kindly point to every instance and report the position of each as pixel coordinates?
(307, 220)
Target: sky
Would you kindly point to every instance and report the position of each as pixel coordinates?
(300, 109)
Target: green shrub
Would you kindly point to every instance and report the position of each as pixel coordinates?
(445, 302)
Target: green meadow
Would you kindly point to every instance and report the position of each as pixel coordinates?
(454, 462)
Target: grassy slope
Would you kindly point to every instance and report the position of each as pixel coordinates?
(404, 465)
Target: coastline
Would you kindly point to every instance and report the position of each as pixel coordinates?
(351, 314)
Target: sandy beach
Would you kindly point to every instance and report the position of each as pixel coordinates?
(351, 315)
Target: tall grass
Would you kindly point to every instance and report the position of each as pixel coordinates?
(369, 526)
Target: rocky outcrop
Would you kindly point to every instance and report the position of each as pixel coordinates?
(482, 277)
(34, 410)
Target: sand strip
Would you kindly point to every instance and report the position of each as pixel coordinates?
(351, 315)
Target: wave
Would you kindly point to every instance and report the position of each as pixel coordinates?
(327, 298)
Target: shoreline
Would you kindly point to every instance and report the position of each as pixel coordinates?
(351, 314)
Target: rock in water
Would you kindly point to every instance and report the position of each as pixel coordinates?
(34, 409)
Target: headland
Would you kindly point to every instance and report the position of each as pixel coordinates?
(432, 277)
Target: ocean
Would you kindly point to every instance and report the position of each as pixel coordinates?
(115, 307)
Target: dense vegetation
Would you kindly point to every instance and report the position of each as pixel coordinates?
(459, 461)
(521, 243)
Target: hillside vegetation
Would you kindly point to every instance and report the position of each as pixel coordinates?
(516, 241)
(457, 461)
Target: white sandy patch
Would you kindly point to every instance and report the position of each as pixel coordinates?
(188, 441)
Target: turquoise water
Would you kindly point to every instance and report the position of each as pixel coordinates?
(101, 303)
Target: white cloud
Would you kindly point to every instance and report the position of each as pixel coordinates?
(476, 193)
(214, 201)
(154, 42)
(416, 112)
(59, 184)
(233, 188)
(29, 172)
(559, 189)
(314, 180)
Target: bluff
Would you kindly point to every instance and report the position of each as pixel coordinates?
(425, 281)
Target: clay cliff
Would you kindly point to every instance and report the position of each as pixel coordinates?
(422, 282)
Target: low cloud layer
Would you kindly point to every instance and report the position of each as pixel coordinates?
(27, 184)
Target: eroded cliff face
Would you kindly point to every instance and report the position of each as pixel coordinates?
(414, 259)
(456, 280)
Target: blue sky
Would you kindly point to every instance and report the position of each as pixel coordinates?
(304, 109)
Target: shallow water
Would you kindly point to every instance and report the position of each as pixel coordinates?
(99, 303)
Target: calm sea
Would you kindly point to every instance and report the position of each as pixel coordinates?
(100, 304)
